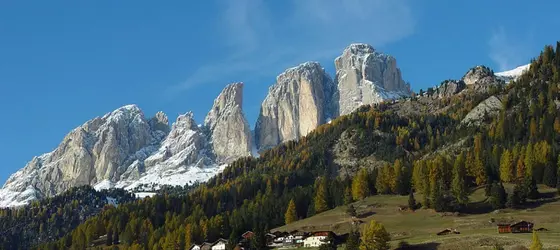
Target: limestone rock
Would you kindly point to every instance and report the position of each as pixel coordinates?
(364, 76)
(160, 122)
(488, 108)
(448, 88)
(229, 131)
(482, 78)
(302, 98)
(101, 149)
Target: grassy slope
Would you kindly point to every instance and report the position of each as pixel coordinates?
(420, 227)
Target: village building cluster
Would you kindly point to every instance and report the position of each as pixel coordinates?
(294, 239)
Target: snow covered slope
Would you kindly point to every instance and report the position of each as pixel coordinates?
(512, 75)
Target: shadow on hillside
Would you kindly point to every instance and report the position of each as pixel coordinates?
(537, 203)
(484, 206)
(481, 207)
(422, 246)
(365, 214)
(548, 194)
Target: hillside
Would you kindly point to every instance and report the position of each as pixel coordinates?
(419, 228)
(467, 133)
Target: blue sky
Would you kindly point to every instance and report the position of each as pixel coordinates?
(65, 62)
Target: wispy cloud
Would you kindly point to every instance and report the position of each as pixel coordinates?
(263, 43)
(507, 51)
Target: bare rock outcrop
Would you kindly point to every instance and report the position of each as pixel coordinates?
(488, 108)
(302, 98)
(364, 76)
(229, 131)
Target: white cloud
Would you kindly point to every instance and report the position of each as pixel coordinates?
(508, 52)
(263, 43)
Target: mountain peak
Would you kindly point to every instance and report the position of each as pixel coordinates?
(228, 128)
(299, 101)
(364, 76)
(477, 73)
(359, 49)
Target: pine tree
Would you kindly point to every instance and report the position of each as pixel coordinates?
(290, 215)
(521, 170)
(498, 197)
(109, 240)
(529, 160)
(353, 242)
(411, 201)
(531, 190)
(400, 178)
(360, 185)
(258, 241)
(536, 244)
(458, 186)
(375, 237)
(386, 182)
(329, 244)
(506, 167)
(188, 236)
(436, 193)
(479, 169)
(116, 240)
(351, 211)
(79, 239)
(557, 125)
(549, 175)
(514, 199)
(558, 171)
(348, 196)
(310, 210)
(320, 200)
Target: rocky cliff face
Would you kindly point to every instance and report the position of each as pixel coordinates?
(230, 134)
(183, 157)
(487, 109)
(124, 149)
(364, 76)
(448, 88)
(481, 78)
(101, 149)
(301, 99)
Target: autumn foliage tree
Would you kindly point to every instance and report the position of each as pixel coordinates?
(360, 185)
(290, 215)
(375, 237)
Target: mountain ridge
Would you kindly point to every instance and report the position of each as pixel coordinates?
(185, 152)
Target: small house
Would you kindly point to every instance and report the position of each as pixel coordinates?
(519, 227)
(317, 239)
(206, 246)
(522, 227)
(194, 247)
(294, 238)
(504, 228)
(247, 235)
(278, 239)
(219, 245)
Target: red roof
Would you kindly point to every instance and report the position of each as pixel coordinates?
(247, 235)
(322, 233)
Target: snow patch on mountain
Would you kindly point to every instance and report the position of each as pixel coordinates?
(512, 75)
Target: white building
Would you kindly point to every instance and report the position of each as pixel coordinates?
(195, 247)
(219, 245)
(316, 239)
